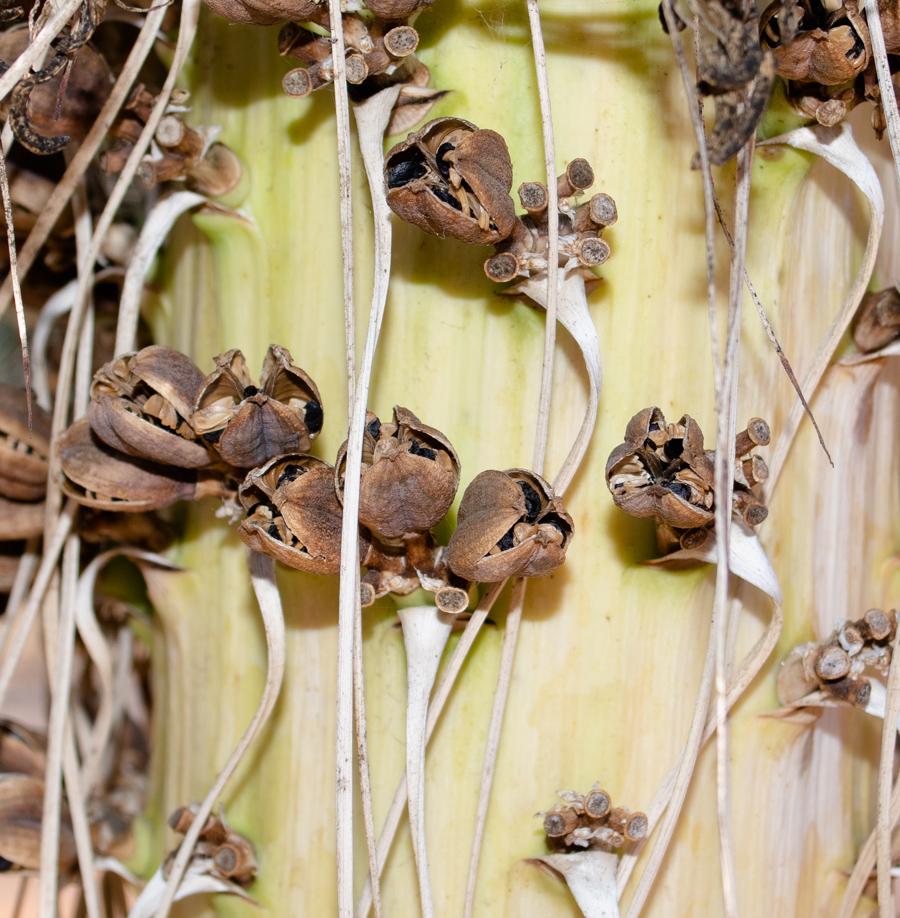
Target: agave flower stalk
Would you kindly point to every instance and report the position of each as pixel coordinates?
(610, 652)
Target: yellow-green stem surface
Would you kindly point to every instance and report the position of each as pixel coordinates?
(610, 652)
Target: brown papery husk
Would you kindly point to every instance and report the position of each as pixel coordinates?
(14, 419)
(313, 513)
(170, 373)
(22, 751)
(20, 519)
(270, 12)
(253, 533)
(22, 476)
(262, 428)
(283, 381)
(128, 433)
(89, 85)
(262, 483)
(123, 484)
(21, 804)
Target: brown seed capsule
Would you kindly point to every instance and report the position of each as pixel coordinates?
(558, 823)
(23, 456)
(100, 477)
(832, 663)
(395, 9)
(293, 514)
(509, 524)
(21, 750)
(409, 479)
(596, 803)
(247, 425)
(21, 805)
(452, 179)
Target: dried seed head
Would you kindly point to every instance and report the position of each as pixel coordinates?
(452, 179)
(293, 514)
(409, 477)
(23, 456)
(395, 9)
(100, 477)
(879, 320)
(247, 425)
(509, 524)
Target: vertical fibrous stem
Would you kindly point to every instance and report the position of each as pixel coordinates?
(885, 83)
(884, 820)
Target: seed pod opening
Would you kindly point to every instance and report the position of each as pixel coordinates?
(452, 179)
(247, 425)
(509, 524)
(409, 478)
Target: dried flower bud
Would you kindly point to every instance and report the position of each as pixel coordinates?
(247, 425)
(509, 524)
(141, 405)
(663, 471)
(98, 476)
(409, 476)
(293, 514)
(23, 456)
(452, 179)
(879, 320)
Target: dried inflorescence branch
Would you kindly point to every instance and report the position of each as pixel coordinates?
(663, 471)
(590, 821)
(836, 665)
(230, 852)
(510, 524)
(878, 322)
(181, 153)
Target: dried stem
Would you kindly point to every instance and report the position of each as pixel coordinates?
(884, 823)
(24, 573)
(885, 85)
(262, 576)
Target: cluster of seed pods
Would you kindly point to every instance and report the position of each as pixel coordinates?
(158, 431)
(591, 821)
(663, 471)
(230, 853)
(451, 178)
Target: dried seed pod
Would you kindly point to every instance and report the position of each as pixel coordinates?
(142, 403)
(395, 9)
(452, 179)
(247, 425)
(21, 804)
(21, 750)
(509, 524)
(267, 12)
(100, 477)
(663, 471)
(879, 320)
(293, 514)
(23, 456)
(409, 478)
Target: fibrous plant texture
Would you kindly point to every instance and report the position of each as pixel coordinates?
(200, 226)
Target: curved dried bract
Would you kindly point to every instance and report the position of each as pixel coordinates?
(23, 457)
(510, 524)
(452, 179)
(97, 476)
(21, 804)
(247, 425)
(293, 514)
(878, 322)
(22, 751)
(141, 404)
(410, 474)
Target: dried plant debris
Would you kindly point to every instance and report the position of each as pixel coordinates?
(49, 107)
(180, 153)
(836, 665)
(824, 54)
(453, 179)
(878, 321)
(733, 70)
(509, 524)
(21, 806)
(663, 471)
(230, 852)
(590, 821)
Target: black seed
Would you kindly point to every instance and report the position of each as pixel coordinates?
(5, 864)
(674, 448)
(676, 487)
(250, 390)
(374, 426)
(447, 198)
(290, 472)
(442, 164)
(653, 426)
(532, 501)
(649, 444)
(273, 531)
(857, 49)
(506, 543)
(254, 508)
(557, 523)
(213, 436)
(404, 173)
(422, 451)
(179, 420)
(313, 417)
